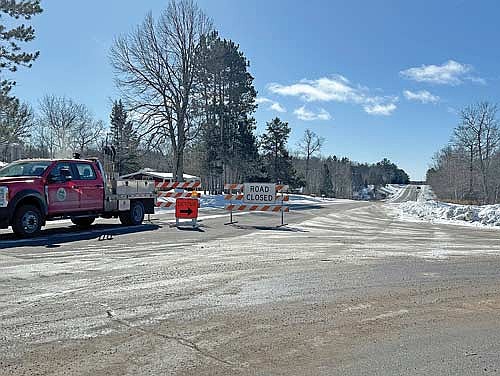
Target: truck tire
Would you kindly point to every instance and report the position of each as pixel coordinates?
(133, 217)
(84, 222)
(27, 221)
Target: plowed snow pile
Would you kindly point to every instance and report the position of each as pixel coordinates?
(427, 208)
(432, 210)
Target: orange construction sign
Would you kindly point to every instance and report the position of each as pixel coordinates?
(186, 208)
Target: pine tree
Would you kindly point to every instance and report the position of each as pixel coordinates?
(11, 54)
(326, 185)
(277, 160)
(124, 139)
(226, 99)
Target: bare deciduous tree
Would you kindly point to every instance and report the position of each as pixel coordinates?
(309, 145)
(480, 134)
(155, 67)
(64, 126)
(87, 132)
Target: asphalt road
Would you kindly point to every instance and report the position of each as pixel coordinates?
(347, 288)
(408, 193)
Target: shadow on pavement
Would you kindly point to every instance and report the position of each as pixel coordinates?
(187, 228)
(305, 207)
(285, 228)
(54, 237)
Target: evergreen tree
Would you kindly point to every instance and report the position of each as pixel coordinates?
(226, 99)
(11, 54)
(16, 121)
(326, 184)
(277, 160)
(124, 139)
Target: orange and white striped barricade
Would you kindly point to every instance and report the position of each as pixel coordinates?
(167, 193)
(263, 197)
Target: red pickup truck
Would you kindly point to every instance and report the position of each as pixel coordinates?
(36, 190)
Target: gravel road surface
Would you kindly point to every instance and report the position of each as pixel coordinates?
(346, 288)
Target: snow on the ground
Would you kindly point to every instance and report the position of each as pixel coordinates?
(390, 189)
(427, 208)
(426, 194)
(393, 191)
(218, 202)
(3, 164)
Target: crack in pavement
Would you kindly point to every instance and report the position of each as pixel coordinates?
(180, 340)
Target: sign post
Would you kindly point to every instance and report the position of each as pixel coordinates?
(186, 208)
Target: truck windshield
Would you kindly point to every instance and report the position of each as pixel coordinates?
(31, 168)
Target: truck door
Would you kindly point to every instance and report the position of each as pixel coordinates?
(63, 196)
(91, 187)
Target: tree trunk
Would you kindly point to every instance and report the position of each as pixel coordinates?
(471, 170)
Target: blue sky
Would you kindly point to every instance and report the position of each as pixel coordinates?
(375, 78)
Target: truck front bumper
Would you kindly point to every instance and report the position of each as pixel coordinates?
(4, 217)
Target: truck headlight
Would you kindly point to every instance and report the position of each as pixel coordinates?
(4, 197)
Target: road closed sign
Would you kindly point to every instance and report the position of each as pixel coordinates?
(259, 193)
(186, 208)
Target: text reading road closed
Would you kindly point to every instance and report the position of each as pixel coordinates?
(259, 193)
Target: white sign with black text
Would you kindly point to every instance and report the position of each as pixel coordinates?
(259, 193)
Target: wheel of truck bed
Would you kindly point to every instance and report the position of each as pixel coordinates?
(85, 222)
(135, 216)
(27, 221)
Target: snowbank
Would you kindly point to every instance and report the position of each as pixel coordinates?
(426, 194)
(2, 164)
(390, 189)
(427, 208)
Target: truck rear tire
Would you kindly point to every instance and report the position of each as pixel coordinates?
(27, 221)
(84, 222)
(133, 217)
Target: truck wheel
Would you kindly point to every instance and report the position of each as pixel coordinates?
(135, 216)
(27, 221)
(85, 222)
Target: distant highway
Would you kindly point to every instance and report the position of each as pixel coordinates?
(409, 193)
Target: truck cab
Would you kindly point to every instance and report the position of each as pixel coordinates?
(36, 190)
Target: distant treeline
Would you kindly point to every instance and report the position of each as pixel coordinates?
(467, 170)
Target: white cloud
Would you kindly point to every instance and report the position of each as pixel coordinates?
(273, 105)
(422, 96)
(324, 115)
(277, 107)
(476, 80)
(449, 73)
(303, 113)
(380, 109)
(336, 88)
(261, 100)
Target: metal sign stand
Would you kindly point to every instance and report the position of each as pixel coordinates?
(283, 217)
(231, 222)
(194, 223)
